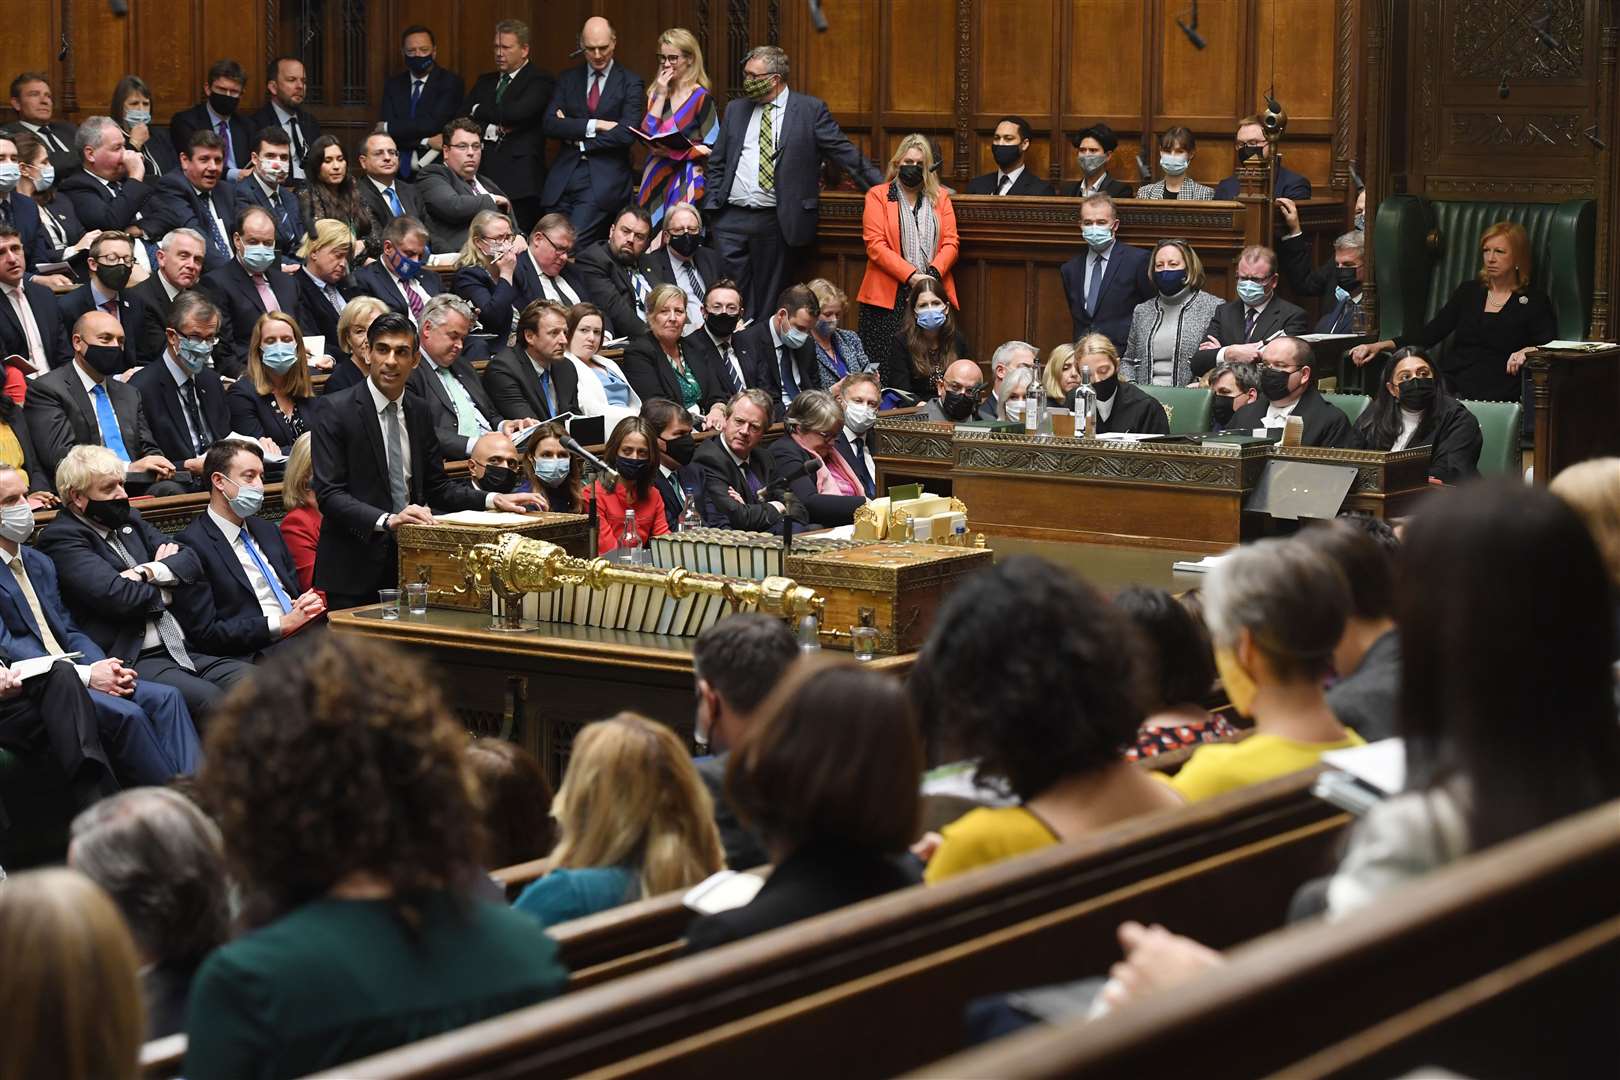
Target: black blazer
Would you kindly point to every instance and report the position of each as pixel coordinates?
(131, 315)
(373, 280)
(807, 135)
(441, 97)
(1124, 285)
(60, 417)
(159, 153)
(650, 375)
(857, 463)
(825, 510)
(25, 216)
(320, 317)
(1325, 422)
(449, 205)
(526, 281)
(517, 160)
(814, 880)
(495, 298)
(160, 399)
(111, 608)
(65, 161)
(722, 476)
(283, 211)
(231, 289)
(12, 416)
(377, 204)
(303, 130)
(1115, 189)
(56, 339)
(1290, 185)
(511, 383)
(1026, 184)
(1134, 410)
(196, 119)
(1294, 259)
(97, 207)
(429, 387)
(227, 621)
(255, 414)
(62, 212)
(707, 262)
(607, 157)
(607, 285)
(1452, 435)
(1227, 327)
(898, 374)
(351, 486)
(175, 203)
(690, 479)
(742, 347)
(344, 375)
(767, 364)
(152, 293)
(1474, 363)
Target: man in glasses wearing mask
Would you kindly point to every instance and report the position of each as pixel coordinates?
(1242, 326)
(682, 261)
(960, 388)
(1251, 144)
(111, 261)
(397, 278)
(1286, 389)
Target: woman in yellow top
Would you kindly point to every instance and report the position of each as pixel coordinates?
(1275, 609)
(1046, 723)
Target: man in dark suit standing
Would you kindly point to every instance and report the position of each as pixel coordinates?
(458, 405)
(740, 488)
(1242, 326)
(194, 198)
(81, 403)
(217, 113)
(397, 278)
(30, 320)
(1252, 143)
(112, 259)
(284, 109)
(682, 261)
(378, 465)
(785, 357)
(182, 397)
(111, 189)
(591, 115)
(762, 175)
(616, 274)
(247, 287)
(250, 600)
(1341, 292)
(267, 188)
(419, 101)
(509, 105)
(378, 185)
(33, 102)
(178, 266)
(454, 193)
(728, 353)
(678, 478)
(1287, 389)
(1105, 284)
(544, 271)
(533, 379)
(1008, 145)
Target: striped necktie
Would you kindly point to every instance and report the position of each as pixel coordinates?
(767, 149)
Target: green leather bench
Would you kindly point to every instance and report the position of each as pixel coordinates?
(1188, 407)
(1499, 428)
(1352, 405)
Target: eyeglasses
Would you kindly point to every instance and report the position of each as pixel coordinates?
(684, 232)
(384, 153)
(208, 342)
(670, 58)
(466, 146)
(113, 260)
(558, 248)
(960, 388)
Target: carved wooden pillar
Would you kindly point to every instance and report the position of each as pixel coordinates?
(70, 88)
(1603, 271)
(1376, 18)
(960, 157)
(1347, 121)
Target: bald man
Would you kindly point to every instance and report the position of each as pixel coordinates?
(960, 387)
(494, 463)
(591, 114)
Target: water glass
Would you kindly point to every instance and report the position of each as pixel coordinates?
(390, 603)
(416, 595)
(864, 642)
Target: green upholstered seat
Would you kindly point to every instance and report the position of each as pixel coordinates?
(1187, 406)
(1352, 405)
(1499, 427)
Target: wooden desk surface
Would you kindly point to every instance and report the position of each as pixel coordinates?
(1110, 567)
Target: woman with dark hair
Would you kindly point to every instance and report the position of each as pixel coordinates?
(629, 451)
(515, 797)
(552, 471)
(329, 192)
(835, 827)
(352, 826)
(65, 236)
(927, 343)
(1045, 724)
(132, 109)
(1183, 664)
(1413, 408)
(1176, 149)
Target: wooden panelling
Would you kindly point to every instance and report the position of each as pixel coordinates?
(176, 85)
(1106, 40)
(1202, 89)
(1007, 37)
(918, 75)
(841, 68)
(1303, 36)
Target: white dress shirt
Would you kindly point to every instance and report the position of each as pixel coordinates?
(1277, 415)
(380, 400)
(25, 318)
(290, 125)
(1011, 178)
(554, 288)
(854, 440)
(405, 289)
(268, 604)
(745, 189)
(181, 377)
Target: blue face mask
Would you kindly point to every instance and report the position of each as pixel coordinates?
(1339, 294)
(1173, 164)
(1170, 282)
(552, 471)
(1361, 222)
(931, 318)
(134, 117)
(1251, 292)
(406, 267)
(247, 501)
(47, 177)
(258, 257)
(10, 174)
(194, 354)
(1098, 236)
(793, 337)
(279, 356)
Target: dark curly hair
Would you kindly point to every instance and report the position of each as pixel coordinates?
(1179, 649)
(338, 758)
(1032, 672)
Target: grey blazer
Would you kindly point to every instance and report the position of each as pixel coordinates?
(1191, 190)
(1195, 316)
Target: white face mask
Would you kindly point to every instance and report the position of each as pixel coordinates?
(859, 417)
(17, 522)
(1015, 408)
(274, 171)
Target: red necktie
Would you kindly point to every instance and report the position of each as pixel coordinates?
(594, 98)
(111, 308)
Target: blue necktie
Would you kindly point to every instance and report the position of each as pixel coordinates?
(111, 437)
(1098, 265)
(790, 386)
(416, 95)
(275, 585)
(547, 396)
(393, 200)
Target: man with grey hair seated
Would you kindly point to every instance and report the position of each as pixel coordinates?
(161, 860)
(178, 265)
(1343, 296)
(685, 262)
(1008, 355)
(462, 409)
(110, 188)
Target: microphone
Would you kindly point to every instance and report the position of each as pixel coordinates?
(603, 469)
(805, 468)
(817, 19)
(1190, 28)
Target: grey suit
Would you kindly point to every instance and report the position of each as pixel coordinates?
(449, 204)
(1365, 700)
(1192, 322)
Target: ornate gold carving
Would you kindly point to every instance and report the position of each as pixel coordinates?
(912, 438)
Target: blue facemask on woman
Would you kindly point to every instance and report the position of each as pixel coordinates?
(931, 318)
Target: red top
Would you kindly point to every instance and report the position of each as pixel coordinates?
(16, 384)
(610, 505)
(301, 529)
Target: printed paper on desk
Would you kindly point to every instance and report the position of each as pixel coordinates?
(1380, 765)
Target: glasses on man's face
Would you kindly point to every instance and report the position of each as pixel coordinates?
(960, 388)
(204, 342)
(466, 147)
(115, 260)
(558, 248)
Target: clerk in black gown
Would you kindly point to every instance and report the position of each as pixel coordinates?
(1121, 406)
(1412, 409)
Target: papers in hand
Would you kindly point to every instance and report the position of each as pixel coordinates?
(1329, 337)
(269, 455)
(315, 345)
(39, 665)
(482, 517)
(723, 891)
(669, 140)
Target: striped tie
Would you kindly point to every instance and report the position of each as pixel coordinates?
(767, 151)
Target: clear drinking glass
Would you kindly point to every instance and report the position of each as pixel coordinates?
(390, 603)
(416, 596)
(864, 642)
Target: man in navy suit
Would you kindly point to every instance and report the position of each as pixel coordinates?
(1341, 295)
(682, 261)
(419, 101)
(397, 279)
(30, 319)
(728, 352)
(194, 198)
(22, 212)
(1252, 143)
(247, 287)
(217, 113)
(33, 102)
(250, 602)
(378, 465)
(544, 271)
(591, 115)
(112, 259)
(1105, 284)
(785, 356)
(111, 189)
(762, 175)
(181, 395)
(861, 395)
(284, 109)
(533, 379)
(126, 583)
(679, 481)
(267, 188)
(509, 106)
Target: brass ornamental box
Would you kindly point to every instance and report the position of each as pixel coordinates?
(434, 553)
(896, 587)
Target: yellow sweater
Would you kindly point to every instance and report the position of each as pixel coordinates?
(1217, 767)
(981, 837)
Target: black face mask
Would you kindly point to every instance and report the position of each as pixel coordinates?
(630, 469)
(720, 324)
(911, 175)
(1104, 388)
(107, 359)
(1006, 156)
(1249, 153)
(1221, 408)
(1417, 394)
(499, 479)
(222, 104)
(958, 406)
(1345, 278)
(685, 244)
(112, 513)
(114, 277)
(681, 448)
(1274, 383)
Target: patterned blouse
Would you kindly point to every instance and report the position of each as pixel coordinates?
(1153, 741)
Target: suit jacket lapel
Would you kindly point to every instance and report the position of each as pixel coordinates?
(20, 615)
(81, 401)
(269, 553)
(371, 424)
(225, 553)
(128, 422)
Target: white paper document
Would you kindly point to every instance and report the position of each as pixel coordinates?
(482, 517)
(723, 891)
(39, 665)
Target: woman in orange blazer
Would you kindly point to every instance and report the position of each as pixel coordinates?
(910, 231)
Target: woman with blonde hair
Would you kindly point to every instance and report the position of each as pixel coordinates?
(838, 351)
(635, 821)
(325, 254)
(911, 242)
(301, 522)
(1012, 394)
(486, 274)
(1061, 373)
(1167, 330)
(275, 398)
(1121, 406)
(70, 1002)
(678, 100)
(353, 366)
